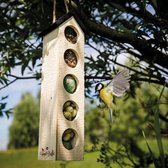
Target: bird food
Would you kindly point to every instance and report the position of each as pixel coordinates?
(70, 34)
(69, 138)
(70, 58)
(70, 110)
(70, 83)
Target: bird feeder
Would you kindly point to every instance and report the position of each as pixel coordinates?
(61, 131)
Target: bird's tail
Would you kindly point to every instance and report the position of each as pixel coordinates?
(111, 115)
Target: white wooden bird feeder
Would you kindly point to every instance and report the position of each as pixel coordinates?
(61, 132)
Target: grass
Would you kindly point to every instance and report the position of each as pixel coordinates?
(153, 145)
(27, 158)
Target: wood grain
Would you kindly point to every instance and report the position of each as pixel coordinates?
(53, 95)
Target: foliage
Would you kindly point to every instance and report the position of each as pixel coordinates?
(21, 23)
(24, 128)
(137, 28)
(3, 110)
(158, 131)
(128, 155)
(117, 21)
(131, 116)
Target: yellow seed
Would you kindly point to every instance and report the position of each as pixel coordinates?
(73, 105)
(74, 113)
(67, 115)
(66, 137)
(69, 109)
(67, 104)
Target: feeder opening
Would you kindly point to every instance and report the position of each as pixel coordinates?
(71, 34)
(70, 109)
(69, 138)
(70, 58)
(70, 83)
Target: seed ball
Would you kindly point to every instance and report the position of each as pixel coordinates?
(69, 109)
(70, 34)
(70, 84)
(68, 115)
(74, 113)
(70, 58)
(73, 105)
(68, 103)
(66, 137)
(73, 64)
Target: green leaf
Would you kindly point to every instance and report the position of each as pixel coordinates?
(124, 29)
(154, 3)
(2, 106)
(33, 62)
(144, 5)
(3, 80)
(24, 66)
(4, 97)
(8, 112)
(1, 114)
(157, 130)
(119, 7)
(151, 153)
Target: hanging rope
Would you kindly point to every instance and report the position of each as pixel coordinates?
(66, 5)
(54, 11)
(69, 5)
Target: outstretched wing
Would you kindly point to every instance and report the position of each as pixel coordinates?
(120, 83)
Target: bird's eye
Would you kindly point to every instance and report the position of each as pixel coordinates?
(98, 87)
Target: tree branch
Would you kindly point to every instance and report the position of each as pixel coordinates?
(149, 54)
(163, 118)
(16, 78)
(8, 84)
(20, 77)
(132, 78)
(134, 70)
(148, 17)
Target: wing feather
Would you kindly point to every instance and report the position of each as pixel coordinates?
(120, 83)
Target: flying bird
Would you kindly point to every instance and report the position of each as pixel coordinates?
(117, 87)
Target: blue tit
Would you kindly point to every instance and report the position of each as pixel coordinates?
(117, 87)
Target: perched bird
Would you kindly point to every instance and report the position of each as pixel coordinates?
(117, 87)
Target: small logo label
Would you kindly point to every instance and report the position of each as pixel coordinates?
(46, 152)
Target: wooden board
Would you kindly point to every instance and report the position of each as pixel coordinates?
(53, 95)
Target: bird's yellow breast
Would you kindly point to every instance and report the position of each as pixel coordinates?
(106, 96)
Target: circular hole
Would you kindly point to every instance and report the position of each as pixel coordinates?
(70, 34)
(70, 83)
(70, 58)
(69, 138)
(70, 109)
